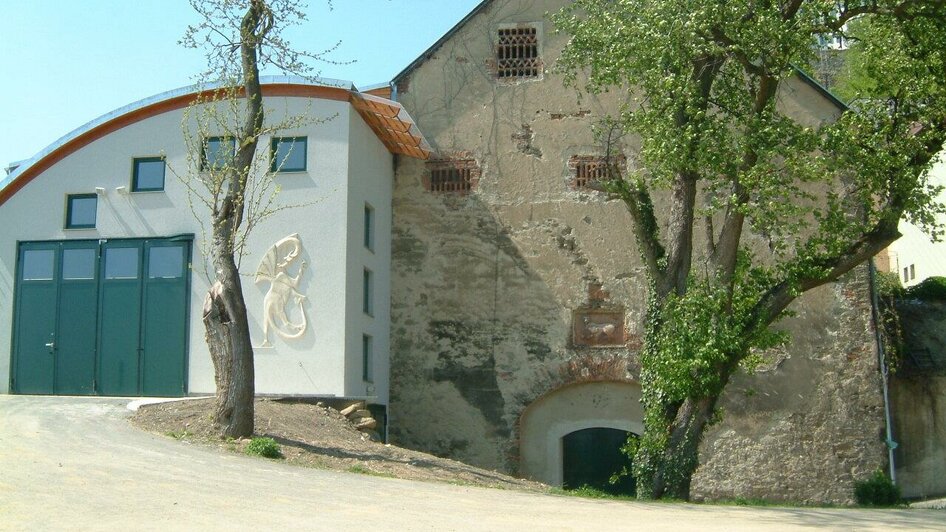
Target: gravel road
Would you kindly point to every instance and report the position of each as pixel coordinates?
(76, 463)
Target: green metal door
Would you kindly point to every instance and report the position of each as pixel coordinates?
(164, 319)
(78, 301)
(102, 317)
(120, 317)
(34, 334)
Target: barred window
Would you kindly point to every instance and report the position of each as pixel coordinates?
(517, 53)
(457, 176)
(588, 169)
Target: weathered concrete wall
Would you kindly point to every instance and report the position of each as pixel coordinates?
(808, 423)
(918, 402)
(484, 285)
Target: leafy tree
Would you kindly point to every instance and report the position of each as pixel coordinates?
(228, 178)
(736, 171)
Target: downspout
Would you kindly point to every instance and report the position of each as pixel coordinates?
(882, 361)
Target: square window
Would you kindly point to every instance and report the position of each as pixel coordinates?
(80, 211)
(368, 292)
(78, 264)
(37, 265)
(121, 263)
(288, 154)
(369, 227)
(147, 174)
(166, 262)
(367, 359)
(218, 152)
(517, 53)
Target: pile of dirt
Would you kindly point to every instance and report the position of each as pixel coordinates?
(318, 436)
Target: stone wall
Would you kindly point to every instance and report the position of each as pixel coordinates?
(486, 286)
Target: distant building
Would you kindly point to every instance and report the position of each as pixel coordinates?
(914, 256)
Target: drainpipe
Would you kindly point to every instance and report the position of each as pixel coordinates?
(882, 360)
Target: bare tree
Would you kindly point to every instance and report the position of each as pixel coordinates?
(228, 178)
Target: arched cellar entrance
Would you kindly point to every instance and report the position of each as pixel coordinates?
(591, 456)
(547, 425)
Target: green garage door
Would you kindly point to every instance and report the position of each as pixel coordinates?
(102, 317)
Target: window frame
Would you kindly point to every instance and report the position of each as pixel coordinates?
(467, 170)
(95, 213)
(367, 296)
(501, 69)
(369, 224)
(205, 143)
(134, 173)
(367, 358)
(273, 163)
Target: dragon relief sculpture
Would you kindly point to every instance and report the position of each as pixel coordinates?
(282, 290)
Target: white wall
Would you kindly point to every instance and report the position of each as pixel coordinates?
(313, 364)
(915, 248)
(372, 179)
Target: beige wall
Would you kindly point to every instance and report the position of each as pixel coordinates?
(485, 285)
(614, 405)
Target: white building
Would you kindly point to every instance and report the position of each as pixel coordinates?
(101, 277)
(914, 256)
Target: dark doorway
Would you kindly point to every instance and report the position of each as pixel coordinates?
(591, 456)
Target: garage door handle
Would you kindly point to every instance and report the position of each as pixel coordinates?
(51, 345)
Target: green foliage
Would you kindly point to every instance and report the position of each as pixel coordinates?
(265, 447)
(930, 289)
(888, 284)
(703, 101)
(878, 490)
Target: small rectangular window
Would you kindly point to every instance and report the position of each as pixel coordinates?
(912, 272)
(147, 174)
(78, 264)
(288, 154)
(369, 227)
(517, 53)
(367, 359)
(80, 211)
(121, 263)
(218, 153)
(457, 176)
(37, 265)
(906, 274)
(367, 292)
(165, 262)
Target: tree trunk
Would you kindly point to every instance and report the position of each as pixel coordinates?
(665, 471)
(228, 338)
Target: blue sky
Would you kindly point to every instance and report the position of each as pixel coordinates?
(66, 62)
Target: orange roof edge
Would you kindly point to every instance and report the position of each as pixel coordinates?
(281, 86)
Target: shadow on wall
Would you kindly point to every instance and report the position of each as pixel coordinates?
(476, 331)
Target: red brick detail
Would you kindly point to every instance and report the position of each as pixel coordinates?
(458, 176)
(589, 169)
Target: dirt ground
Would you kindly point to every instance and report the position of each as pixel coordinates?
(318, 436)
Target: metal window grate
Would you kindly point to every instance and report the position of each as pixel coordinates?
(593, 169)
(517, 53)
(456, 176)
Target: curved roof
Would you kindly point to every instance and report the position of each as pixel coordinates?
(323, 88)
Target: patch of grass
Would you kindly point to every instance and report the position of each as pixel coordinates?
(178, 435)
(362, 470)
(592, 493)
(265, 447)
